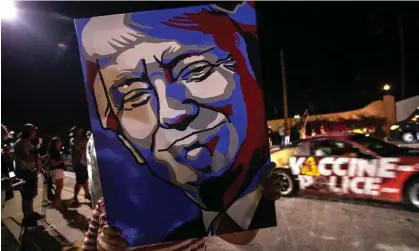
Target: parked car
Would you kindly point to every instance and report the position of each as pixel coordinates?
(408, 129)
(350, 165)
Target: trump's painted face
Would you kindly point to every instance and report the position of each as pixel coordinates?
(175, 93)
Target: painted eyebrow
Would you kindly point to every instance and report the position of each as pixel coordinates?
(172, 63)
(128, 81)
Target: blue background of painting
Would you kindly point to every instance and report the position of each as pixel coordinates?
(140, 200)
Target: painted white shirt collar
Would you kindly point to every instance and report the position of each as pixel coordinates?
(241, 211)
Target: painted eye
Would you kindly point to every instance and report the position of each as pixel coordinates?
(136, 98)
(198, 72)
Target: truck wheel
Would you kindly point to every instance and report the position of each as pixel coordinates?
(408, 137)
(411, 195)
(289, 185)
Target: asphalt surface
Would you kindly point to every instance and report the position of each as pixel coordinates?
(313, 223)
(304, 223)
(59, 231)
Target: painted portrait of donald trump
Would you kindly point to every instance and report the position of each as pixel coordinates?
(179, 91)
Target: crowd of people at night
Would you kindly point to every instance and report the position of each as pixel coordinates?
(22, 156)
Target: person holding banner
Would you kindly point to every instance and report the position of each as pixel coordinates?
(182, 98)
(101, 237)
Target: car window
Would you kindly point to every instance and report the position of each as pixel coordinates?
(321, 147)
(375, 145)
(303, 149)
(332, 147)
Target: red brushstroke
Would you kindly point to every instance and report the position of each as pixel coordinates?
(227, 109)
(222, 28)
(194, 54)
(180, 119)
(112, 121)
(91, 69)
(212, 143)
(168, 76)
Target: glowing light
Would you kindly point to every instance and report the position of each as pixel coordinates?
(357, 130)
(386, 87)
(394, 127)
(62, 45)
(8, 10)
(297, 116)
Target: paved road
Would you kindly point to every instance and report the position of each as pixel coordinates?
(309, 223)
(59, 231)
(305, 223)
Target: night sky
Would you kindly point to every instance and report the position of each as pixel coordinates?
(338, 55)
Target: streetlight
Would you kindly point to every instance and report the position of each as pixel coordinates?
(386, 87)
(8, 10)
(297, 116)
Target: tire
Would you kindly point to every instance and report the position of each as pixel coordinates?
(408, 137)
(290, 186)
(411, 194)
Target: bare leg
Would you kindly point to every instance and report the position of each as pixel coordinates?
(59, 184)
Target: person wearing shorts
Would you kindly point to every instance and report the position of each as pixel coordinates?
(57, 168)
(79, 161)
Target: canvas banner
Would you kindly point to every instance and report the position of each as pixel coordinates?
(177, 115)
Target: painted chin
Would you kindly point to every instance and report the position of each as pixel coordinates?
(199, 155)
(197, 151)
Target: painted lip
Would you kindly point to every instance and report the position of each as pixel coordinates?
(192, 134)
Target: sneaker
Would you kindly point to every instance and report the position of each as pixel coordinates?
(31, 219)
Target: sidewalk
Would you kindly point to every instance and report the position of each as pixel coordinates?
(58, 232)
